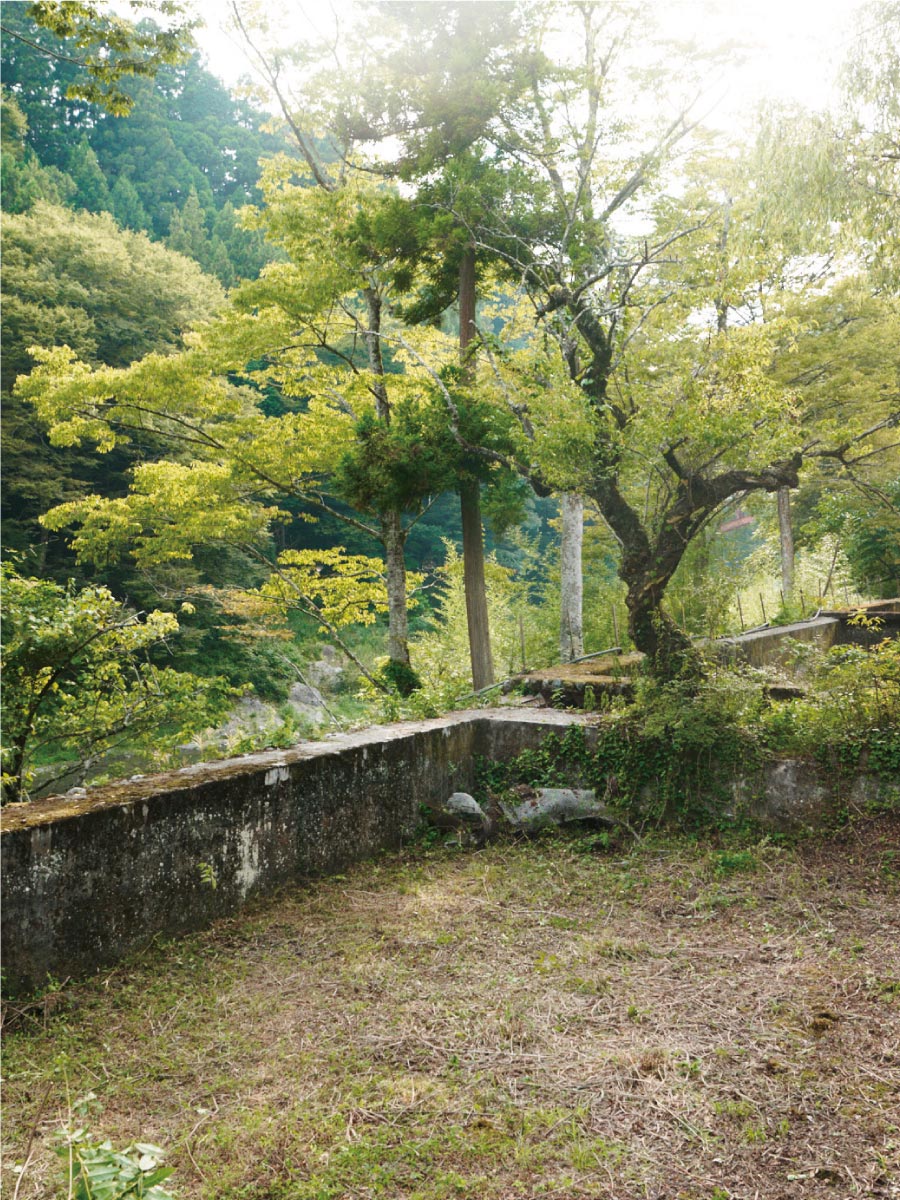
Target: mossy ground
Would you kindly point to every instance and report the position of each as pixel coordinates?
(701, 1021)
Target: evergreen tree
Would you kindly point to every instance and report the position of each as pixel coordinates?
(91, 192)
(24, 180)
(184, 131)
(125, 205)
(187, 230)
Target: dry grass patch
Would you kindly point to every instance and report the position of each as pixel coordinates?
(533, 1019)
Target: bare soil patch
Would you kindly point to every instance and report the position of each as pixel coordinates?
(701, 1022)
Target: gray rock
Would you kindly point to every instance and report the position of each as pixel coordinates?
(461, 804)
(250, 716)
(252, 709)
(303, 696)
(325, 674)
(464, 816)
(556, 806)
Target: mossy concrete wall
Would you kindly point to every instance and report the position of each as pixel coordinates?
(763, 646)
(829, 628)
(87, 880)
(792, 795)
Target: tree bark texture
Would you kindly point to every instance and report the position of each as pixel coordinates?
(476, 592)
(394, 538)
(571, 632)
(786, 541)
(648, 562)
(470, 506)
(372, 337)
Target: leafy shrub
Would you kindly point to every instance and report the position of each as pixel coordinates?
(94, 1171)
(674, 753)
(78, 680)
(851, 714)
(400, 677)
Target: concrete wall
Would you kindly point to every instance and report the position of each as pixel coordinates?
(831, 628)
(86, 880)
(763, 646)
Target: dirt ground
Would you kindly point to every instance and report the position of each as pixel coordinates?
(548, 1018)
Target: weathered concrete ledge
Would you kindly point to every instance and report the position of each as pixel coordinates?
(87, 880)
(832, 627)
(792, 795)
(762, 646)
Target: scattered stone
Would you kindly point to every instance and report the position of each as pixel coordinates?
(324, 675)
(541, 807)
(307, 703)
(465, 818)
(249, 717)
(76, 793)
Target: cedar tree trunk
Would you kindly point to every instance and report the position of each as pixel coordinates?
(394, 538)
(393, 535)
(470, 509)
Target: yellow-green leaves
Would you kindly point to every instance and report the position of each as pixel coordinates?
(714, 397)
(171, 509)
(552, 423)
(321, 231)
(170, 394)
(77, 677)
(113, 296)
(343, 589)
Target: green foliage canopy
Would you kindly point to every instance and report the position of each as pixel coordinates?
(78, 679)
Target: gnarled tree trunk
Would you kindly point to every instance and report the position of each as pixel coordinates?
(670, 652)
(648, 562)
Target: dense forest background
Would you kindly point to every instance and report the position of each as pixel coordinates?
(122, 233)
(100, 214)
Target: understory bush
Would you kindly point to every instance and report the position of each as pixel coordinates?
(674, 753)
(441, 652)
(850, 715)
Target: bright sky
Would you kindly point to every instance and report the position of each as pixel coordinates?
(793, 46)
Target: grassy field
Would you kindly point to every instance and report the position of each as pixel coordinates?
(668, 1020)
